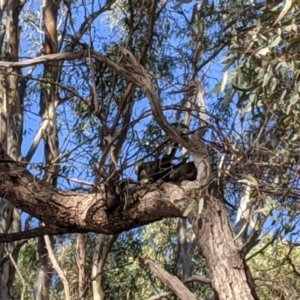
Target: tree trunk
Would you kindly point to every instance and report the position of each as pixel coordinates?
(44, 272)
(231, 278)
(187, 246)
(81, 264)
(48, 98)
(98, 293)
(11, 137)
(102, 249)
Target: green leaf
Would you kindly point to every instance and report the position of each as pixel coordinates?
(216, 89)
(263, 51)
(200, 206)
(288, 5)
(224, 81)
(275, 42)
(188, 209)
(266, 79)
(261, 74)
(248, 179)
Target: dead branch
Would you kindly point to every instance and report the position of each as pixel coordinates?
(173, 283)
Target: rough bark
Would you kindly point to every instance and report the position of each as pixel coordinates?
(229, 273)
(90, 212)
(230, 276)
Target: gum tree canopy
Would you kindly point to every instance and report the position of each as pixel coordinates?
(88, 89)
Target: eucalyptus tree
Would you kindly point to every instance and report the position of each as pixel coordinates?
(115, 78)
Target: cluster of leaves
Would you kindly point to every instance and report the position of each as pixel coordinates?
(260, 90)
(125, 274)
(274, 267)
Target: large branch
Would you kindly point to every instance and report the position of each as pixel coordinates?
(88, 212)
(179, 289)
(32, 233)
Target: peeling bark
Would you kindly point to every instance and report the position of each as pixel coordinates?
(81, 264)
(42, 280)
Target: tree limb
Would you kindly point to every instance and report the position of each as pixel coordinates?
(78, 212)
(179, 289)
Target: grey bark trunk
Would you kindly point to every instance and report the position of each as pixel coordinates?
(11, 138)
(81, 264)
(48, 98)
(44, 272)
